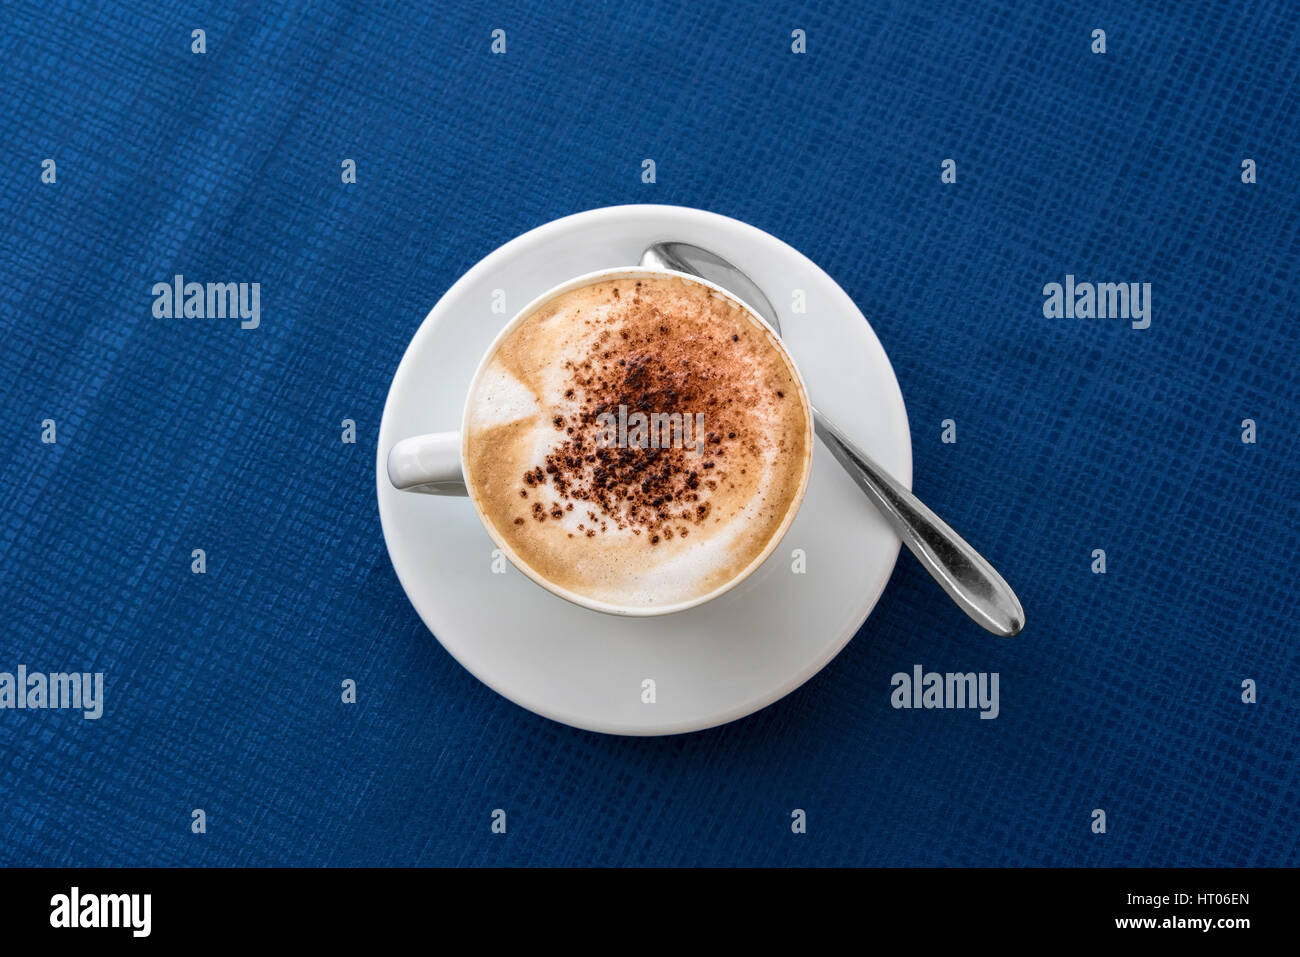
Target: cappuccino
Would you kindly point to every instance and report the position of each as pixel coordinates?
(640, 441)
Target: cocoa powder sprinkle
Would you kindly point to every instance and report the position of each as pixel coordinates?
(657, 371)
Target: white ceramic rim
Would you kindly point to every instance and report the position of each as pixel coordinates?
(610, 608)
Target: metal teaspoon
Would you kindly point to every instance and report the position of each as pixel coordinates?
(965, 575)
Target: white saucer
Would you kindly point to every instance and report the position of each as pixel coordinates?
(711, 664)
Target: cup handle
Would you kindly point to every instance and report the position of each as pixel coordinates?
(429, 464)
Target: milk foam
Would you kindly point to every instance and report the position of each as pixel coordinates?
(501, 399)
(685, 341)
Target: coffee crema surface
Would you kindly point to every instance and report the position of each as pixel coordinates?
(637, 441)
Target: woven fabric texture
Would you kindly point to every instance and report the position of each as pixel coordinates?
(222, 690)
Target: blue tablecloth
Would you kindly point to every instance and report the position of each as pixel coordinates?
(222, 690)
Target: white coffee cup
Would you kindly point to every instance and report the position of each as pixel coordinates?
(435, 463)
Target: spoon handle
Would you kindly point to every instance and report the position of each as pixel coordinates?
(971, 581)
